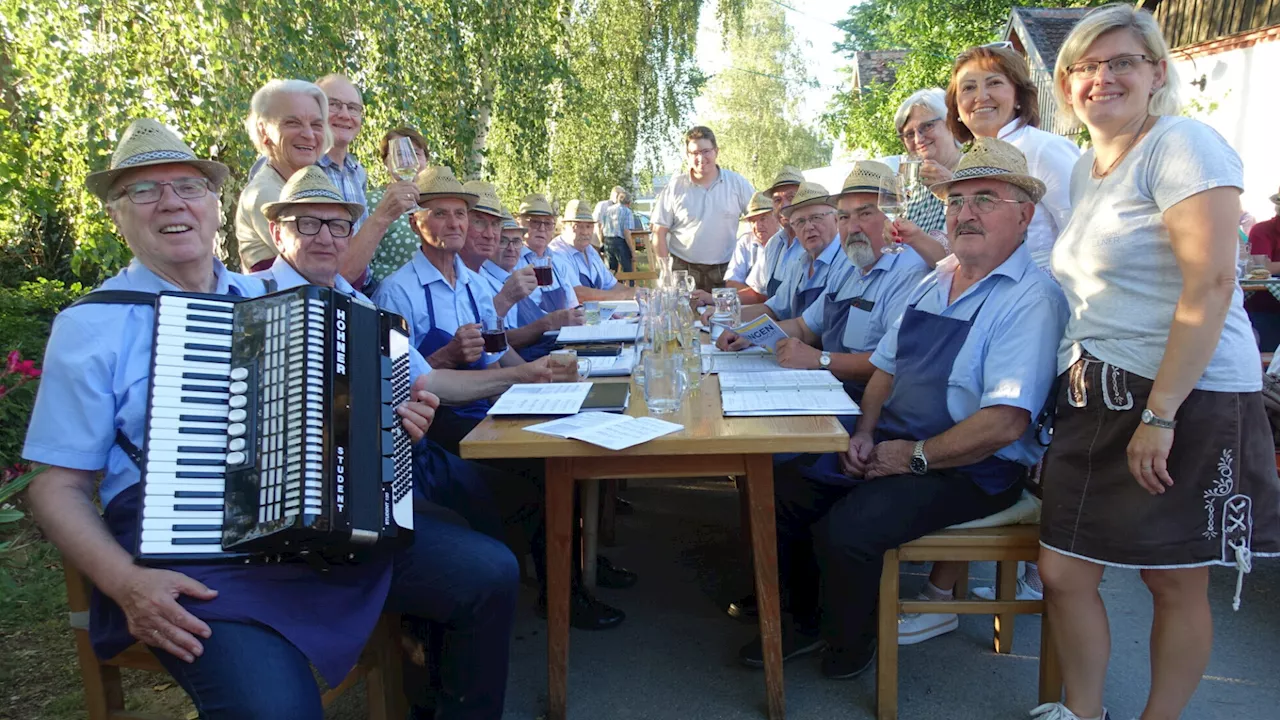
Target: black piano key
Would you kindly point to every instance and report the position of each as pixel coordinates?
(201, 450)
(210, 308)
(205, 376)
(199, 461)
(204, 388)
(208, 358)
(202, 418)
(220, 318)
(198, 494)
(197, 508)
(194, 475)
(201, 431)
(204, 401)
(197, 528)
(211, 348)
(213, 540)
(208, 330)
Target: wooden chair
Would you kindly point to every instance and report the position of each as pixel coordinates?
(1005, 546)
(379, 666)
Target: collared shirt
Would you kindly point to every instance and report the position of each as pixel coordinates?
(287, 277)
(253, 231)
(615, 219)
(586, 267)
(703, 222)
(779, 254)
(747, 264)
(402, 292)
(1050, 158)
(493, 276)
(351, 180)
(830, 262)
(397, 246)
(1010, 354)
(563, 275)
(886, 284)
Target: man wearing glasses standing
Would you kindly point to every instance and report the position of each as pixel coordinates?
(696, 216)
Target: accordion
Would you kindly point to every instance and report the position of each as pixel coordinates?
(271, 430)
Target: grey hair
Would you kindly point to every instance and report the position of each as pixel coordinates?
(931, 99)
(1117, 16)
(260, 108)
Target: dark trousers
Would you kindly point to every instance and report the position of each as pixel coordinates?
(706, 277)
(848, 530)
(618, 253)
(461, 580)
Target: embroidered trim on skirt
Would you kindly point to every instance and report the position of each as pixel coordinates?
(1224, 505)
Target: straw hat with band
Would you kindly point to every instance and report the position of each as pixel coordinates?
(577, 211)
(1275, 199)
(808, 195)
(147, 142)
(868, 176)
(509, 222)
(535, 204)
(438, 182)
(997, 160)
(759, 205)
(788, 175)
(488, 202)
(310, 186)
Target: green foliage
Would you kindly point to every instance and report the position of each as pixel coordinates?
(754, 103)
(933, 32)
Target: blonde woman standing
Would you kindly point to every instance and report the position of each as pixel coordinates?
(1162, 458)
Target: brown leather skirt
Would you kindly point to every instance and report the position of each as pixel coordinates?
(1224, 505)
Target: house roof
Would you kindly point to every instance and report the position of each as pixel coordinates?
(876, 66)
(1042, 31)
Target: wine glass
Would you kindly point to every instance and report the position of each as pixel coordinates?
(893, 205)
(404, 160)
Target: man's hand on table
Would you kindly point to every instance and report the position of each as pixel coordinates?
(730, 340)
(795, 354)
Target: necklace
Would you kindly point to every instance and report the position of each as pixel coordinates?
(1134, 141)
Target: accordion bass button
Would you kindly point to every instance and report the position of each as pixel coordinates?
(236, 416)
(239, 374)
(238, 401)
(236, 445)
(235, 458)
(235, 429)
(239, 388)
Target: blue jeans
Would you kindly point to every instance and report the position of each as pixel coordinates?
(618, 254)
(461, 580)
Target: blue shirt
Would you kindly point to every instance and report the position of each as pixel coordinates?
(831, 262)
(585, 267)
(887, 284)
(561, 272)
(1010, 355)
(287, 277)
(351, 180)
(747, 264)
(493, 276)
(402, 292)
(779, 256)
(615, 219)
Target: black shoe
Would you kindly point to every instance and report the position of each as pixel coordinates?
(744, 608)
(623, 507)
(613, 577)
(845, 664)
(795, 643)
(586, 612)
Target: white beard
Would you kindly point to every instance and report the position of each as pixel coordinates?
(859, 253)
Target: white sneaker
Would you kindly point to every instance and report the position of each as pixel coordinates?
(1058, 711)
(1025, 592)
(917, 627)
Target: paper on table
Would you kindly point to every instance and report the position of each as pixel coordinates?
(620, 308)
(606, 331)
(541, 399)
(612, 432)
(709, 349)
(614, 365)
(784, 392)
(780, 379)
(762, 332)
(566, 426)
(740, 363)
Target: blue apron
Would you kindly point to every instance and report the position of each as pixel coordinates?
(437, 338)
(775, 282)
(527, 311)
(835, 315)
(916, 409)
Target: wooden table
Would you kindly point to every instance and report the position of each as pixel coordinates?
(710, 445)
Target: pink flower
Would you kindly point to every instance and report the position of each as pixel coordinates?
(12, 364)
(26, 367)
(33, 374)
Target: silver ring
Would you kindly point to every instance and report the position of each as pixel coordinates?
(155, 635)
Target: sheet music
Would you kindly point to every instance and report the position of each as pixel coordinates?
(614, 366)
(739, 363)
(784, 392)
(541, 399)
(605, 331)
(613, 432)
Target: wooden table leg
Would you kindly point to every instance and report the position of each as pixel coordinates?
(590, 530)
(560, 551)
(764, 544)
(1006, 589)
(887, 640)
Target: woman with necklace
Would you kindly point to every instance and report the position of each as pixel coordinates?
(1162, 457)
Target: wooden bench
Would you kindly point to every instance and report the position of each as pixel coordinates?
(1005, 546)
(379, 666)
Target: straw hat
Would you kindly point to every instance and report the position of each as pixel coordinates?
(1275, 199)
(997, 159)
(868, 176)
(535, 204)
(310, 186)
(147, 142)
(809, 194)
(438, 182)
(509, 222)
(788, 175)
(577, 211)
(489, 204)
(759, 205)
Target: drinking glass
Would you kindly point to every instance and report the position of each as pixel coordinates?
(584, 369)
(642, 300)
(678, 279)
(893, 205)
(725, 300)
(495, 335)
(404, 161)
(909, 169)
(591, 310)
(692, 354)
(664, 382)
(542, 270)
(1257, 268)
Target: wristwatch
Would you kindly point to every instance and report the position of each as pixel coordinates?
(1150, 418)
(919, 463)
(824, 360)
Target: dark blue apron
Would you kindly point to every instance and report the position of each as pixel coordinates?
(527, 311)
(437, 338)
(835, 315)
(802, 299)
(775, 282)
(916, 409)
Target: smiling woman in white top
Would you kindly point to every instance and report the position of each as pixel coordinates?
(991, 95)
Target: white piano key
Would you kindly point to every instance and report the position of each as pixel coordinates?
(164, 535)
(189, 366)
(172, 467)
(163, 548)
(168, 513)
(182, 322)
(180, 340)
(177, 392)
(170, 303)
(173, 413)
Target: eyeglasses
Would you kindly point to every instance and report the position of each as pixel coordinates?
(510, 242)
(309, 226)
(704, 152)
(799, 223)
(924, 128)
(1119, 65)
(147, 192)
(981, 204)
(336, 106)
(541, 224)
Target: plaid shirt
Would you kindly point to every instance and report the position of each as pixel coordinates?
(928, 212)
(351, 180)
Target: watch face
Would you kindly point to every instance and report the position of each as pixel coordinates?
(1147, 415)
(918, 466)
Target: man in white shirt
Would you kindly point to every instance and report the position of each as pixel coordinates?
(695, 217)
(602, 207)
